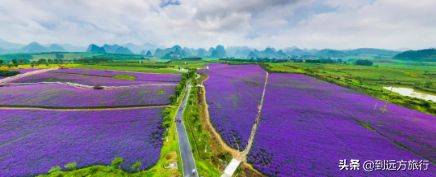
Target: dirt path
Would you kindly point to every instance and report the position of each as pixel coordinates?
(215, 136)
(253, 130)
(81, 86)
(82, 109)
(12, 78)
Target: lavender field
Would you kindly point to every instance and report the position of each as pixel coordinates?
(139, 76)
(308, 125)
(95, 77)
(57, 95)
(34, 141)
(233, 94)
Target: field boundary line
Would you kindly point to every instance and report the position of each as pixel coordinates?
(81, 109)
(89, 87)
(123, 71)
(19, 76)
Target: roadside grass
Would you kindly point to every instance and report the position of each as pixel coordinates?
(134, 69)
(124, 77)
(198, 139)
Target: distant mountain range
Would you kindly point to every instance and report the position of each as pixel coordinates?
(34, 47)
(219, 51)
(9, 46)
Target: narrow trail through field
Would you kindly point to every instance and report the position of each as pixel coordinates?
(89, 87)
(81, 109)
(12, 78)
(256, 125)
(236, 161)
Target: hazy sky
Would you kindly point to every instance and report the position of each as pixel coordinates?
(337, 24)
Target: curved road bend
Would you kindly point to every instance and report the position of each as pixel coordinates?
(188, 163)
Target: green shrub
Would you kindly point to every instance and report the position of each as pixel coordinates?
(117, 162)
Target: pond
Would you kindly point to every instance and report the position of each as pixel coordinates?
(412, 93)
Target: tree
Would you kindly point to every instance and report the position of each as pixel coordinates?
(1, 62)
(42, 61)
(136, 165)
(117, 162)
(166, 124)
(15, 62)
(194, 116)
(364, 62)
(428, 84)
(172, 98)
(70, 165)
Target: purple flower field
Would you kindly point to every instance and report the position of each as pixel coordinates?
(94, 77)
(233, 93)
(308, 125)
(34, 141)
(139, 76)
(57, 95)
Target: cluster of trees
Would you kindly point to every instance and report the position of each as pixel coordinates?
(7, 73)
(117, 162)
(187, 59)
(271, 60)
(182, 84)
(48, 61)
(364, 63)
(93, 60)
(324, 61)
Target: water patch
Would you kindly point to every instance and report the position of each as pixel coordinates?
(412, 93)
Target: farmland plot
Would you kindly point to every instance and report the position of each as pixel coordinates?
(34, 141)
(56, 95)
(137, 75)
(233, 94)
(95, 77)
(305, 132)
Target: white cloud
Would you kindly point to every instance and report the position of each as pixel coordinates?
(203, 23)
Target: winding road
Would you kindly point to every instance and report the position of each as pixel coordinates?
(188, 163)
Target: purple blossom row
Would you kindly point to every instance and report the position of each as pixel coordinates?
(34, 141)
(308, 125)
(57, 95)
(233, 94)
(139, 76)
(94, 79)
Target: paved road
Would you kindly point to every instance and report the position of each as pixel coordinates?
(188, 163)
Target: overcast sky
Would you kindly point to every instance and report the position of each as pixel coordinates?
(336, 24)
